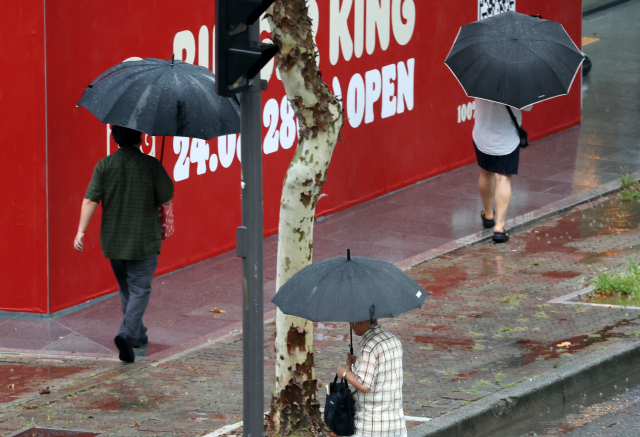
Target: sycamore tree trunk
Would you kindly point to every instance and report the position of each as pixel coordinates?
(294, 405)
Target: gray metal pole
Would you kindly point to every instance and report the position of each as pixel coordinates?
(250, 248)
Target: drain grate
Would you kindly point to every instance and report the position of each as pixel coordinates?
(49, 432)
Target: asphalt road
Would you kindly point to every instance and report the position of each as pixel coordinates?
(608, 411)
(621, 418)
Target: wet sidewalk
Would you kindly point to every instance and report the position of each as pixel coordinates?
(487, 325)
(404, 227)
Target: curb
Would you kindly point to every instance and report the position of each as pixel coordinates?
(516, 223)
(600, 8)
(552, 388)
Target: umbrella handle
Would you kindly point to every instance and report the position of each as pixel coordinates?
(162, 152)
(371, 311)
(351, 336)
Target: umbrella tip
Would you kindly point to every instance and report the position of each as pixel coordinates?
(348, 254)
(173, 57)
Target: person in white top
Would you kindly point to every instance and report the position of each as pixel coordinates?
(496, 142)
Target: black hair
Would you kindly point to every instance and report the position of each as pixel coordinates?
(125, 136)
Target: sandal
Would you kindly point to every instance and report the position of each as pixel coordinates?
(488, 223)
(500, 237)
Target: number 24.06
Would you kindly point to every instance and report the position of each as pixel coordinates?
(198, 152)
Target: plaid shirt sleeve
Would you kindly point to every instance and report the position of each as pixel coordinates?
(162, 184)
(365, 368)
(94, 191)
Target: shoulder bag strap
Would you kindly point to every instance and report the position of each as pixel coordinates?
(513, 118)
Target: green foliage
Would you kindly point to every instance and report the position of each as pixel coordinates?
(28, 423)
(630, 189)
(512, 297)
(630, 195)
(626, 283)
(627, 180)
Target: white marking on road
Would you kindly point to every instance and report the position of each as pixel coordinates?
(229, 428)
(224, 430)
(417, 419)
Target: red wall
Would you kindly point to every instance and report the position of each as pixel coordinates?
(23, 234)
(85, 38)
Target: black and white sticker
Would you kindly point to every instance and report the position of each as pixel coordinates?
(489, 8)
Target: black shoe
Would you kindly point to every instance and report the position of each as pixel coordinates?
(141, 342)
(500, 237)
(488, 223)
(125, 348)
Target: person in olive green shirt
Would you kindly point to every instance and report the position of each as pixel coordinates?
(130, 186)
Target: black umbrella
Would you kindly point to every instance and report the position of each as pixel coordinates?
(347, 289)
(514, 59)
(159, 97)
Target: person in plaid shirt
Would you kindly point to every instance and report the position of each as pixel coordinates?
(376, 373)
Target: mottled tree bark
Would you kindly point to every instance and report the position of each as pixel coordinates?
(294, 406)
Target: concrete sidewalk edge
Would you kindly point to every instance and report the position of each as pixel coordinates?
(552, 388)
(517, 222)
(602, 7)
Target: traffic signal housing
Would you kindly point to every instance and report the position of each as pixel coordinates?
(238, 59)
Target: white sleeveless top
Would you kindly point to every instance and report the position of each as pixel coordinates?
(493, 131)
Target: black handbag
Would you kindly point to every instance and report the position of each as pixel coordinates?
(340, 408)
(524, 138)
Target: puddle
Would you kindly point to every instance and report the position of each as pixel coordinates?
(463, 376)
(535, 349)
(586, 296)
(557, 420)
(605, 216)
(26, 378)
(445, 343)
(48, 432)
(611, 299)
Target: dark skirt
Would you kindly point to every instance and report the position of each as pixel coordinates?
(505, 164)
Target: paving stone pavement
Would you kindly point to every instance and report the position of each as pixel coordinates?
(485, 326)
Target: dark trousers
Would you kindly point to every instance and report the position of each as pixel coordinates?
(134, 279)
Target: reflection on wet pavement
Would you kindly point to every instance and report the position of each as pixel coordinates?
(44, 432)
(18, 378)
(487, 324)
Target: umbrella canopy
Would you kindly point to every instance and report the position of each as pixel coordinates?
(159, 97)
(344, 289)
(514, 59)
